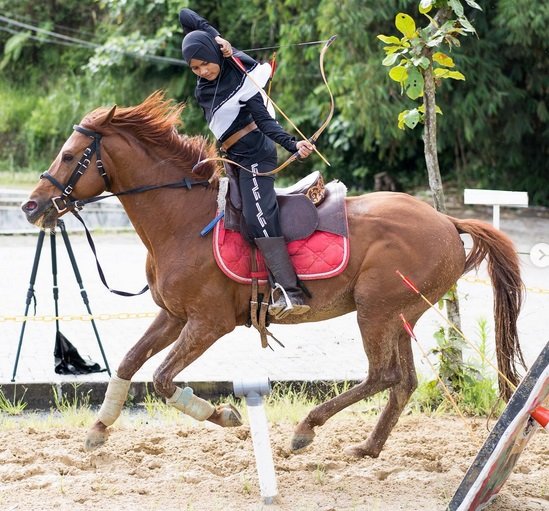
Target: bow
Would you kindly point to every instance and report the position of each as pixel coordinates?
(325, 124)
(311, 139)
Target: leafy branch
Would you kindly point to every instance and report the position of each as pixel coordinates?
(412, 56)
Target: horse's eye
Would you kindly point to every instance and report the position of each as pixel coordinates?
(68, 157)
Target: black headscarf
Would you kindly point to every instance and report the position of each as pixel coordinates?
(212, 94)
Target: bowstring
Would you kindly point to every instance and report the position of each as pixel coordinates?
(309, 43)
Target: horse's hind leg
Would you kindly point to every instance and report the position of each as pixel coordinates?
(399, 395)
(163, 331)
(380, 339)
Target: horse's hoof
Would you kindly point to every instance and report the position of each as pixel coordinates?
(359, 452)
(230, 417)
(300, 441)
(95, 439)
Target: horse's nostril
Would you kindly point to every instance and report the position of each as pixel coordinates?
(30, 206)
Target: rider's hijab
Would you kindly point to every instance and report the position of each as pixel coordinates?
(221, 99)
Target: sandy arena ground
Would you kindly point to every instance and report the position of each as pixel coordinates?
(180, 466)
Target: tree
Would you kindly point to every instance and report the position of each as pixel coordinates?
(416, 65)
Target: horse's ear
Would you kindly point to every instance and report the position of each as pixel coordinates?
(108, 117)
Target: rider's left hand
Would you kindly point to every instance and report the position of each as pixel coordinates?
(304, 148)
(225, 46)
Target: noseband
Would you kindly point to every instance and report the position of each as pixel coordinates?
(61, 203)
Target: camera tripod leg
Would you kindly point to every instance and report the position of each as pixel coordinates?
(30, 297)
(83, 292)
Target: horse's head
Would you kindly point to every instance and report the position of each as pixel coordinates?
(76, 173)
(124, 147)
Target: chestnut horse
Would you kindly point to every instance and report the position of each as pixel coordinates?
(140, 147)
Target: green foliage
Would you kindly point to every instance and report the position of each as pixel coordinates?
(495, 132)
(449, 348)
(68, 405)
(477, 397)
(472, 386)
(13, 48)
(157, 408)
(75, 410)
(412, 54)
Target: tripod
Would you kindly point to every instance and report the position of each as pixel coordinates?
(30, 292)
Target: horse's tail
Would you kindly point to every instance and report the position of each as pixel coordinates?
(504, 271)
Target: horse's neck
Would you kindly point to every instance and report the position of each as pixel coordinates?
(164, 216)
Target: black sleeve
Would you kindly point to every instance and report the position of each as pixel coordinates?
(191, 21)
(268, 125)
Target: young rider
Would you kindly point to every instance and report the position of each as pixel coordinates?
(236, 112)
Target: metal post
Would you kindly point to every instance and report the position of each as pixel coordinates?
(253, 391)
(495, 218)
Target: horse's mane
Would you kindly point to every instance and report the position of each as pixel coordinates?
(155, 122)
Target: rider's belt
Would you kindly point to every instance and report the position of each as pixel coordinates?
(237, 135)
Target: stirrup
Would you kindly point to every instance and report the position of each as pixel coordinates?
(280, 310)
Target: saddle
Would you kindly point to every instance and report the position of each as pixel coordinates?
(313, 221)
(305, 207)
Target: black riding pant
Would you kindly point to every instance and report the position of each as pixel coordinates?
(257, 153)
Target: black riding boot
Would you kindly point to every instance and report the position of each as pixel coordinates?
(277, 260)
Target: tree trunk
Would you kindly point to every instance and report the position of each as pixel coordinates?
(455, 353)
(430, 141)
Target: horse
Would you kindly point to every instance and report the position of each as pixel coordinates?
(140, 147)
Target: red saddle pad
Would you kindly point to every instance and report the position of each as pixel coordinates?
(320, 256)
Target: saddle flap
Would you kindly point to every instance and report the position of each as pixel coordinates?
(298, 216)
(332, 216)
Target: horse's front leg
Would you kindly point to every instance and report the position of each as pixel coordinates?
(195, 339)
(163, 331)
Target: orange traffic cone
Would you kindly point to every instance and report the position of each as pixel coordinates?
(541, 416)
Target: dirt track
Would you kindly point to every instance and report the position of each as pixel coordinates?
(194, 468)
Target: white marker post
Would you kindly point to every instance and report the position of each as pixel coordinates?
(495, 198)
(253, 391)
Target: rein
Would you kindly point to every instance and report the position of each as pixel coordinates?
(65, 202)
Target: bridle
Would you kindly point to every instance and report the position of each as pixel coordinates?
(65, 202)
(61, 203)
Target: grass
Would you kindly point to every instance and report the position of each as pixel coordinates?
(478, 398)
(75, 410)
(477, 394)
(320, 474)
(247, 486)
(157, 409)
(280, 406)
(22, 180)
(13, 406)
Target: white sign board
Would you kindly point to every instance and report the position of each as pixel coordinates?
(495, 198)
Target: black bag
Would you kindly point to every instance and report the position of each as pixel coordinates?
(69, 361)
